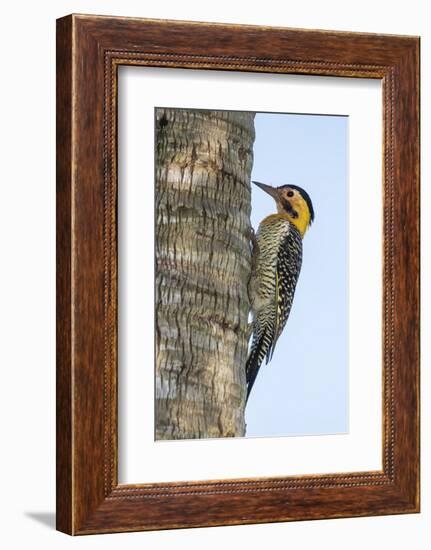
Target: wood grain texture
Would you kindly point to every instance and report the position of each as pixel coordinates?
(64, 497)
(202, 255)
(89, 499)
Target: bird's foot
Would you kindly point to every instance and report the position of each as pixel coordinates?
(252, 236)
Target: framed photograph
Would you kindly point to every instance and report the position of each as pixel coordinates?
(237, 274)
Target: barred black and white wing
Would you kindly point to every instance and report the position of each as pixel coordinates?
(276, 267)
(288, 268)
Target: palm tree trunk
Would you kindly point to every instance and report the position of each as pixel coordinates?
(203, 201)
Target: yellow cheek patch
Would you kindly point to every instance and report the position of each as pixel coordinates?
(303, 220)
(301, 208)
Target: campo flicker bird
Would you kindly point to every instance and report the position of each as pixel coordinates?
(276, 263)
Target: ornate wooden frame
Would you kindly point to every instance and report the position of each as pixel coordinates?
(89, 51)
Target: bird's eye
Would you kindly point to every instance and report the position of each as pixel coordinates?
(290, 194)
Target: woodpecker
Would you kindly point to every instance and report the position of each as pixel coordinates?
(276, 263)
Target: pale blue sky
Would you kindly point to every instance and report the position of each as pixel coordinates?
(304, 389)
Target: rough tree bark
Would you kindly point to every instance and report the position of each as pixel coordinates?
(203, 198)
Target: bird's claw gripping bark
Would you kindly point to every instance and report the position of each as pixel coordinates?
(252, 237)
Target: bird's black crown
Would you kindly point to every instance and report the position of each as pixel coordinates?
(305, 196)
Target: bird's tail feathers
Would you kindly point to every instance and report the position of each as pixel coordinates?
(261, 348)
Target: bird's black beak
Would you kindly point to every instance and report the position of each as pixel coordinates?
(268, 189)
